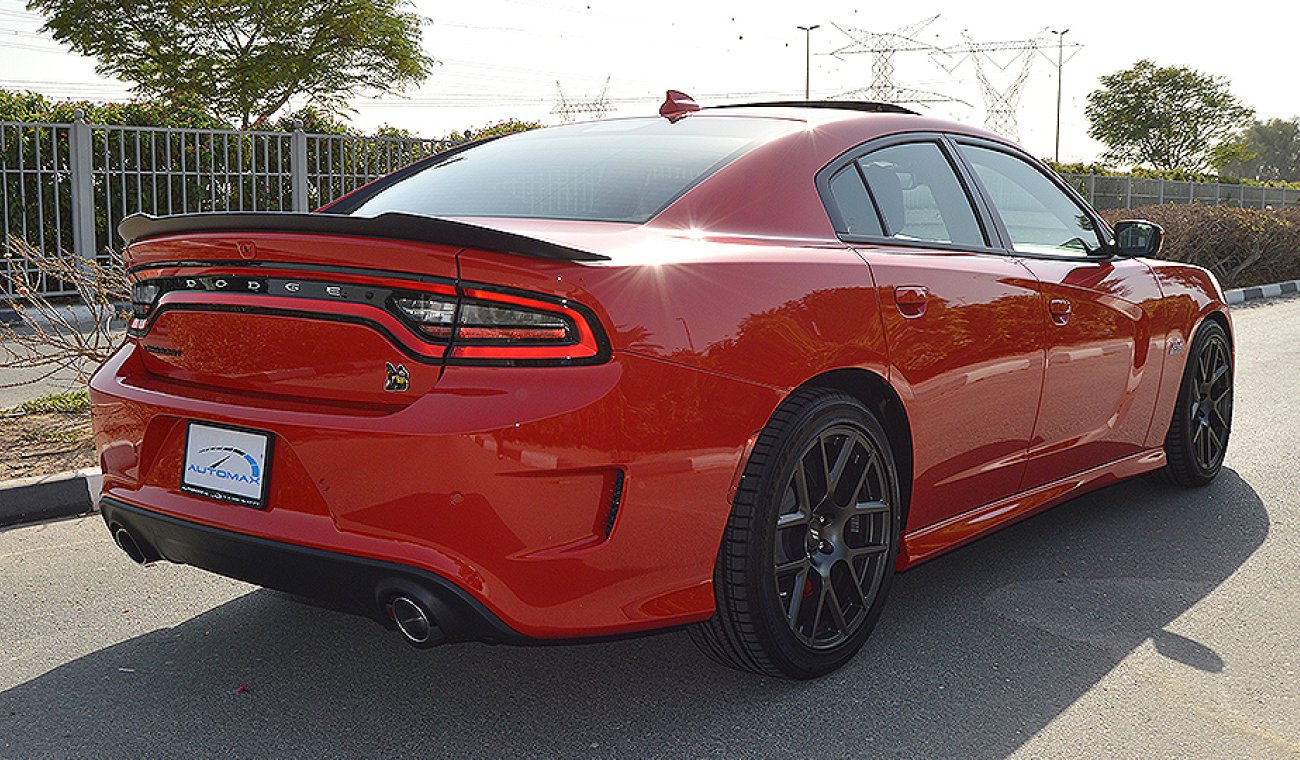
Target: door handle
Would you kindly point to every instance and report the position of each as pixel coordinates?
(911, 299)
(1060, 309)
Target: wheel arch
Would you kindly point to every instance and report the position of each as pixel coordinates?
(880, 397)
(1217, 315)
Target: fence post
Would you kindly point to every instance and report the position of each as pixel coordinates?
(81, 175)
(298, 167)
(1128, 193)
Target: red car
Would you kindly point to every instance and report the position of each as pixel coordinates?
(727, 368)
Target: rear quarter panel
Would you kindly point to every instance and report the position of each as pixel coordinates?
(768, 313)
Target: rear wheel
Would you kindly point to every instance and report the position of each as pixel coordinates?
(1198, 434)
(808, 555)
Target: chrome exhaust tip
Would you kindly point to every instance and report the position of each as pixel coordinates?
(127, 543)
(412, 620)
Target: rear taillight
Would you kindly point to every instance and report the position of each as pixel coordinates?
(475, 325)
(143, 297)
(497, 327)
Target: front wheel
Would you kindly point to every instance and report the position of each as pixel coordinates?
(1198, 434)
(808, 555)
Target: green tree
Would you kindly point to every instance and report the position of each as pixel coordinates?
(246, 58)
(1272, 151)
(1167, 117)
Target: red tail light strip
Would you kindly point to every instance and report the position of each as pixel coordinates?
(284, 290)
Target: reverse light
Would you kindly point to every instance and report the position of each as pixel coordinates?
(434, 314)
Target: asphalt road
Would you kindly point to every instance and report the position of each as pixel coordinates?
(1137, 621)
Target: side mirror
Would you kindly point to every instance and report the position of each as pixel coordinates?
(1138, 237)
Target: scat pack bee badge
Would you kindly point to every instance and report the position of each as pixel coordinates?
(399, 379)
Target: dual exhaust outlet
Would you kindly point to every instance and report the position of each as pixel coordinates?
(409, 613)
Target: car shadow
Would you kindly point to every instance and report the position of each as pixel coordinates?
(976, 652)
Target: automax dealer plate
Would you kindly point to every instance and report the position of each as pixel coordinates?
(227, 463)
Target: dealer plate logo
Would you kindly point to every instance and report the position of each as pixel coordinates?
(226, 463)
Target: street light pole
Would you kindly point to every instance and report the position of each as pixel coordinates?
(1060, 63)
(807, 57)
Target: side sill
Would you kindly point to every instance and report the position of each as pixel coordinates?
(931, 541)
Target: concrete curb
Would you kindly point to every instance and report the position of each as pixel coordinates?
(44, 497)
(1241, 295)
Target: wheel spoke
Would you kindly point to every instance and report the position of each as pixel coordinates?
(837, 613)
(870, 508)
(796, 598)
(1219, 373)
(1215, 445)
(867, 550)
(817, 613)
(837, 471)
(866, 471)
(801, 488)
(1218, 412)
(794, 564)
(791, 519)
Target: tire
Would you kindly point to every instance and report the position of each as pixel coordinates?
(1198, 434)
(798, 599)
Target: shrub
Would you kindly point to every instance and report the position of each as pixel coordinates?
(1243, 247)
(53, 336)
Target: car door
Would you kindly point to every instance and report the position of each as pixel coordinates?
(964, 337)
(1101, 377)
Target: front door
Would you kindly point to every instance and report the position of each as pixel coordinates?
(1101, 378)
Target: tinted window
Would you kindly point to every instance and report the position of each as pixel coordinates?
(1038, 215)
(624, 170)
(919, 195)
(857, 215)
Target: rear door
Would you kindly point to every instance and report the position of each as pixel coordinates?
(962, 321)
(1101, 376)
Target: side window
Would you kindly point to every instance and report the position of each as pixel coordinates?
(858, 216)
(1039, 217)
(919, 195)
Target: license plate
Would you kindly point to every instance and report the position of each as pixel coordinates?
(227, 463)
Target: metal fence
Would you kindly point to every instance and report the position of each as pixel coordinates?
(65, 187)
(1129, 192)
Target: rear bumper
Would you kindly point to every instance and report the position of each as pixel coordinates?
(352, 584)
(566, 502)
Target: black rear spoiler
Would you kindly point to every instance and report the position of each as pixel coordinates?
(392, 225)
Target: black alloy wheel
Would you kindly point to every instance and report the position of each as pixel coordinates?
(808, 555)
(1198, 434)
(832, 537)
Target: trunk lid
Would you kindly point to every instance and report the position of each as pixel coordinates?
(302, 315)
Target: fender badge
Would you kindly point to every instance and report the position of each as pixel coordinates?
(398, 378)
(1175, 346)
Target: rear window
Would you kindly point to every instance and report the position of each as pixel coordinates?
(613, 171)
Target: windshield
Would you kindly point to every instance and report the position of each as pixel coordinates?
(625, 170)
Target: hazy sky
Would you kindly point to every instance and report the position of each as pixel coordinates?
(502, 58)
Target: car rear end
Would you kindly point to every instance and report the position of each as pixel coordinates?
(328, 407)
